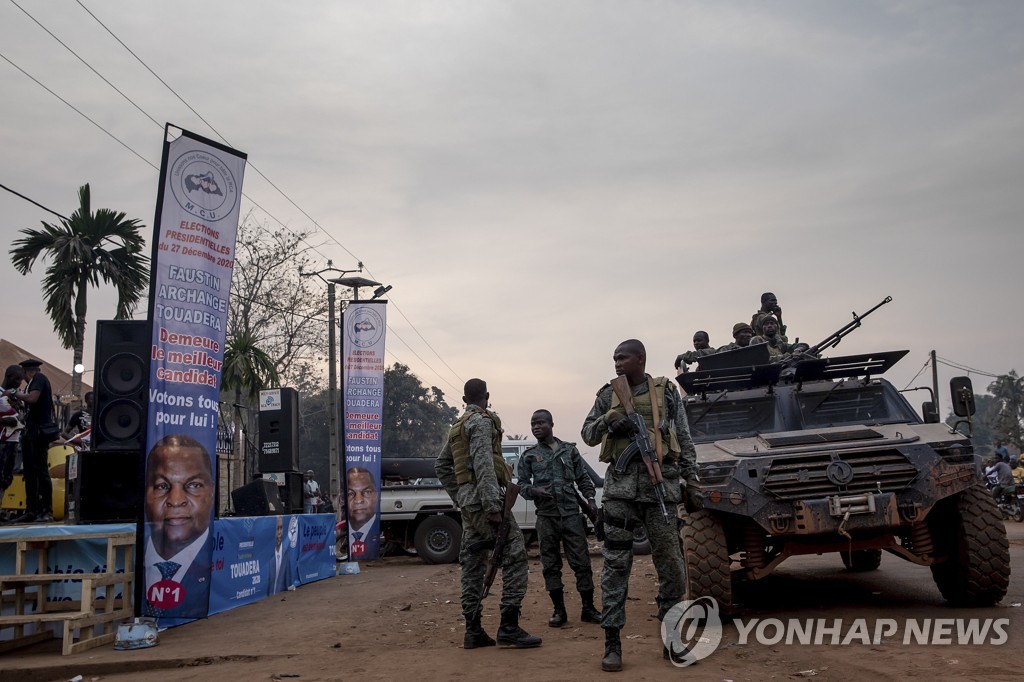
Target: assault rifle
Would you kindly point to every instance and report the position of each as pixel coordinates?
(500, 539)
(835, 337)
(640, 442)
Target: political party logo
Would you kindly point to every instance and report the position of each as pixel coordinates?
(366, 326)
(203, 185)
(692, 630)
(293, 532)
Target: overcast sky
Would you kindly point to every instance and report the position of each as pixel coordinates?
(541, 180)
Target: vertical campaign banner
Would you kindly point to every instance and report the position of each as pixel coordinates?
(193, 256)
(362, 362)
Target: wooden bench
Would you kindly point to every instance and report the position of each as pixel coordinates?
(88, 622)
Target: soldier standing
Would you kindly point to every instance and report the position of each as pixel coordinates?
(547, 472)
(629, 497)
(474, 473)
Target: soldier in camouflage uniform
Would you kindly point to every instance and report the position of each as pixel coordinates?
(741, 334)
(701, 347)
(473, 472)
(547, 472)
(777, 346)
(629, 498)
(769, 306)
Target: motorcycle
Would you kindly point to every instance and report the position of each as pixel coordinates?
(1010, 503)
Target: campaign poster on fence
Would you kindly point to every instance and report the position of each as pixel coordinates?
(193, 256)
(253, 557)
(362, 362)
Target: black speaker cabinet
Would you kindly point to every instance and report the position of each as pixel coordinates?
(291, 492)
(103, 487)
(279, 430)
(122, 379)
(259, 498)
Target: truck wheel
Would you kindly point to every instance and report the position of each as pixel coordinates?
(641, 545)
(971, 538)
(437, 539)
(862, 560)
(706, 559)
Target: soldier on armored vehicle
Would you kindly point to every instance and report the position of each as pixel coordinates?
(823, 456)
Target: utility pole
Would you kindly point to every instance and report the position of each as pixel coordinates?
(334, 485)
(935, 385)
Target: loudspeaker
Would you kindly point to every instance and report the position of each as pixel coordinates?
(279, 429)
(258, 498)
(291, 492)
(103, 487)
(122, 379)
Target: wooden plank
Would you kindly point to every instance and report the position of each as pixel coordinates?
(49, 617)
(119, 535)
(25, 640)
(90, 643)
(49, 577)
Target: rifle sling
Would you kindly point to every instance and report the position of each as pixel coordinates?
(655, 417)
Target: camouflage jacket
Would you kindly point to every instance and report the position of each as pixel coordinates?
(758, 318)
(595, 428)
(485, 494)
(560, 469)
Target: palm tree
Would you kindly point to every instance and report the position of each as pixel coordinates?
(82, 250)
(1007, 409)
(247, 369)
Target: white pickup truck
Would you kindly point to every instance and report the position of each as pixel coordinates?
(417, 515)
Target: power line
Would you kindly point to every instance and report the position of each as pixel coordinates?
(269, 181)
(965, 368)
(32, 201)
(251, 165)
(87, 64)
(923, 367)
(79, 112)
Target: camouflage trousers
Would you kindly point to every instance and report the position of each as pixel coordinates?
(473, 558)
(618, 559)
(570, 532)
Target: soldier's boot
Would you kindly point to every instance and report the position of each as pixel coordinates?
(589, 614)
(475, 635)
(559, 617)
(612, 661)
(509, 632)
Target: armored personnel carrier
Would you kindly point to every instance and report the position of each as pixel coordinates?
(825, 456)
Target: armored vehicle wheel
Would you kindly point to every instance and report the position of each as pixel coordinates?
(437, 539)
(970, 535)
(862, 560)
(706, 557)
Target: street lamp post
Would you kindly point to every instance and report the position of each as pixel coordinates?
(334, 485)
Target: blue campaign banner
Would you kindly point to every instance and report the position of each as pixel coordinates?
(253, 557)
(193, 256)
(259, 556)
(316, 555)
(363, 332)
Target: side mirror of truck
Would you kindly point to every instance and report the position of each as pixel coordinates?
(930, 412)
(962, 392)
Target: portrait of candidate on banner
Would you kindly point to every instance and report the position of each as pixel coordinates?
(283, 564)
(362, 504)
(178, 515)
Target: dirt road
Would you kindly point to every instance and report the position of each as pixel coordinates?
(400, 620)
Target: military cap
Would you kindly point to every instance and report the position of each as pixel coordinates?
(740, 326)
(30, 363)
